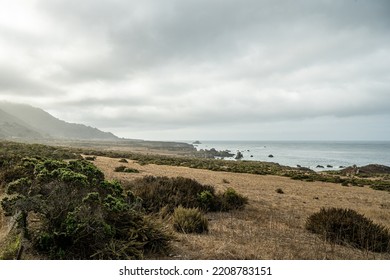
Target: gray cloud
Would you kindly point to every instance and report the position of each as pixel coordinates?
(172, 66)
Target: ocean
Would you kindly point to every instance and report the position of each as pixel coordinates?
(332, 155)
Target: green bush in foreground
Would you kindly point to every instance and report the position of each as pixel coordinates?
(189, 220)
(10, 247)
(347, 227)
(81, 215)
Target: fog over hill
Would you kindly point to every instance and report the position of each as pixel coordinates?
(25, 121)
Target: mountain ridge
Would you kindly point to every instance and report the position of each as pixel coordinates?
(26, 121)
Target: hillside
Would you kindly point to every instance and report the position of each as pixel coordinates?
(24, 121)
(12, 127)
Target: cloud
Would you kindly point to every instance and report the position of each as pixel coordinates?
(176, 65)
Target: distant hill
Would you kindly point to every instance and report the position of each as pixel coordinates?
(25, 121)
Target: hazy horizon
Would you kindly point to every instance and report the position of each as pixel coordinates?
(256, 70)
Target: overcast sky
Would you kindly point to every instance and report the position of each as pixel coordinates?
(203, 69)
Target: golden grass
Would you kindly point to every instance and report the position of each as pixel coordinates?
(272, 225)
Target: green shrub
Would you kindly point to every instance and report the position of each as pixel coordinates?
(346, 226)
(159, 193)
(163, 192)
(11, 247)
(189, 220)
(231, 200)
(81, 215)
(90, 158)
(125, 169)
(208, 201)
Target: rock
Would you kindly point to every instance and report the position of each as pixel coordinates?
(329, 166)
(239, 155)
(271, 156)
(320, 166)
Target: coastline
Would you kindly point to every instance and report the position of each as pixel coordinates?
(332, 155)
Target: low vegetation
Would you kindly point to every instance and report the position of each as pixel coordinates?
(191, 220)
(347, 227)
(11, 247)
(125, 169)
(66, 209)
(164, 193)
(80, 215)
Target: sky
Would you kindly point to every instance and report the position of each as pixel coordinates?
(203, 69)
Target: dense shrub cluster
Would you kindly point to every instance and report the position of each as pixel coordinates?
(346, 226)
(81, 215)
(191, 220)
(159, 193)
(125, 169)
(169, 193)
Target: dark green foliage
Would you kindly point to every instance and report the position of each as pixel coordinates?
(81, 215)
(346, 226)
(189, 220)
(159, 193)
(125, 169)
(12, 152)
(208, 201)
(163, 192)
(231, 200)
(381, 185)
(90, 158)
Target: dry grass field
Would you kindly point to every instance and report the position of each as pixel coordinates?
(272, 224)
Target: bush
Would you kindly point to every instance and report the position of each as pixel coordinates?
(231, 200)
(81, 215)
(208, 201)
(10, 247)
(159, 193)
(90, 158)
(346, 226)
(125, 169)
(189, 220)
(163, 192)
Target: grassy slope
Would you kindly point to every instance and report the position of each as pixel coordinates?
(272, 226)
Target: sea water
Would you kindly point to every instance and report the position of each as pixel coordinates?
(311, 154)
